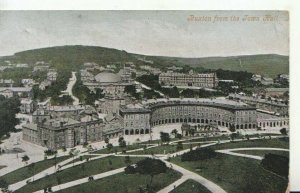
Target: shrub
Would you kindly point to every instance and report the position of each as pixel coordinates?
(198, 154)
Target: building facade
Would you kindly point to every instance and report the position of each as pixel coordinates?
(224, 113)
(206, 80)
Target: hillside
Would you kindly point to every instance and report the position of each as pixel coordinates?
(74, 56)
(269, 64)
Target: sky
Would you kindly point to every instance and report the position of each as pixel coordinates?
(163, 33)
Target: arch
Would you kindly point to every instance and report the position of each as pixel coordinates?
(146, 131)
(249, 126)
(177, 120)
(242, 126)
(189, 120)
(185, 120)
(202, 120)
(131, 132)
(198, 120)
(194, 120)
(173, 120)
(253, 126)
(264, 124)
(226, 124)
(181, 120)
(237, 127)
(219, 122)
(126, 132)
(206, 121)
(223, 123)
(137, 131)
(246, 126)
(142, 131)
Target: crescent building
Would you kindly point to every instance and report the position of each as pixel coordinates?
(139, 118)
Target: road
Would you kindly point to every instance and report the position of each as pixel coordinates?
(230, 151)
(70, 85)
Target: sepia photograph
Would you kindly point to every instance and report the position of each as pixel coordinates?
(144, 101)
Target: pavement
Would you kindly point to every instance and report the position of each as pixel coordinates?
(230, 151)
(70, 85)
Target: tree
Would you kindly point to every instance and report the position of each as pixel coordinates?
(25, 158)
(149, 166)
(122, 142)
(164, 137)
(127, 160)
(174, 132)
(109, 146)
(283, 131)
(179, 146)
(9, 107)
(179, 136)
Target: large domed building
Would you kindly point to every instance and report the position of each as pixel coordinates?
(109, 82)
(107, 77)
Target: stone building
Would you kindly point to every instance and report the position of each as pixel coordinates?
(27, 106)
(206, 80)
(110, 104)
(279, 108)
(110, 83)
(30, 133)
(135, 119)
(65, 126)
(139, 118)
(267, 121)
(66, 132)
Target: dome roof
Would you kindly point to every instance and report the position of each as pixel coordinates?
(107, 77)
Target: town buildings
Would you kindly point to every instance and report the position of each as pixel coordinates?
(206, 80)
(16, 91)
(64, 126)
(277, 107)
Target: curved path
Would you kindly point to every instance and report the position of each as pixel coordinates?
(211, 186)
(230, 151)
(69, 91)
(186, 173)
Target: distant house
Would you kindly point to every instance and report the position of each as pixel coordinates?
(284, 77)
(52, 75)
(41, 68)
(22, 65)
(44, 84)
(16, 91)
(28, 82)
(256, 77)
(27, 106)
(267, 81)
(275, 92)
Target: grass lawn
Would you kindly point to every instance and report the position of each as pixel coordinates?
(190, 186)
(226, 137)
(162, 149)
(121, 183)
(275, 143)
(118, 149)
(26, 172)
(90, 168)
(263, 152)
(237, 174)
